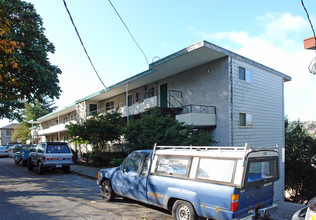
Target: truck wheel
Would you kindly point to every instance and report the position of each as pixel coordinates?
(182, 210)
(107, 192)
(66, 169)
(39, 168)
(30, 165)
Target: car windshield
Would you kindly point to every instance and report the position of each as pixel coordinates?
(57, 149)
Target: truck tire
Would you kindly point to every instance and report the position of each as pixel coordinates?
(30, 165)
(182, 210)
(66, 169)
(107, 192)
(40, 168)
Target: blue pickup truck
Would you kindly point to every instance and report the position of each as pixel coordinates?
(21, 154)
(193, 182)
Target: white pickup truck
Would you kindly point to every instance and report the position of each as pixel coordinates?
(50, 155)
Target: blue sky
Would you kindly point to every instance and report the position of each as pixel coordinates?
(269, 32)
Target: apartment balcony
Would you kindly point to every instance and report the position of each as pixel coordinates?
(55, 128)
(198, 115)
(137, 107)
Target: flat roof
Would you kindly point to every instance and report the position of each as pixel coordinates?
(190, 57)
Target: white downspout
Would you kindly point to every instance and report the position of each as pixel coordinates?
(127, 107)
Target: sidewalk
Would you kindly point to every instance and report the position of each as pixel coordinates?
(284, 211)
(91, 172)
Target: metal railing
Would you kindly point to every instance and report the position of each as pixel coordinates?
(175, 99)
(199, 109)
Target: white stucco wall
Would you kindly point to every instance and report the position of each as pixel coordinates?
(207, 85)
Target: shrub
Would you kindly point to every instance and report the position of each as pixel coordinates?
(117, 162)
(98, 160)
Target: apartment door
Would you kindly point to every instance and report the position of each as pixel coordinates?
(163, 96)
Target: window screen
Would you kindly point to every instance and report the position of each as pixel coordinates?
(245, 120)
(245, 74)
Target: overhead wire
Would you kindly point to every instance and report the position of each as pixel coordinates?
(310, 22)
(312, 65)
(129, 31)
(83, 44)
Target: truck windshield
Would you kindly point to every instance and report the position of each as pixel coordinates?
(261, 170)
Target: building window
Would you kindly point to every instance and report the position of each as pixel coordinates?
(245, 74)
(245, 120)
(109, 105)
(129, 100)
(93, 107)
(138, 97)
(8, 132)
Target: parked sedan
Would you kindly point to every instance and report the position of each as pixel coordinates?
(21, 156)
(13, 149)
(4, 151)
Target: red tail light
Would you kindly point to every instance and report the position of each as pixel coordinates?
(6, 151)
(44, 159)
(234, 202)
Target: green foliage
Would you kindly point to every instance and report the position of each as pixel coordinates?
(300, 163)
(98, 160)
(164, 130)
(25, 71)
(30, 112)
(98, 130)
(117, 162)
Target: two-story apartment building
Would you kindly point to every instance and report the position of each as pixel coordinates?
(237, 100)
(6, 133)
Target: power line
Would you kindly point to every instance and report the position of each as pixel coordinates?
(83, 44)
(129, 31)
(308, 18)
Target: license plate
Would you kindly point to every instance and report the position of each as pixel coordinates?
(58, 166)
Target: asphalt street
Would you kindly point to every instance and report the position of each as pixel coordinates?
(26, 195)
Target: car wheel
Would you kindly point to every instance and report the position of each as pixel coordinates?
(39, 168)
(182, 210)
(16, 161)
(30, 166)
(24, 163)
(107, 192)
(66, 169)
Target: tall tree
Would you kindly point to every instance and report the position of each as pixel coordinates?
(300, 163)
(26, 74)
(30, 112)
(164, 130)
(98, 130)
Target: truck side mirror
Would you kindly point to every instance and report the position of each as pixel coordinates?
(122, 167)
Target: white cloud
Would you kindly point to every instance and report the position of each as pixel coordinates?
(277, 47)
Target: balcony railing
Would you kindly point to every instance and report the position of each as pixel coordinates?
(145, 98)
(199, 109)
